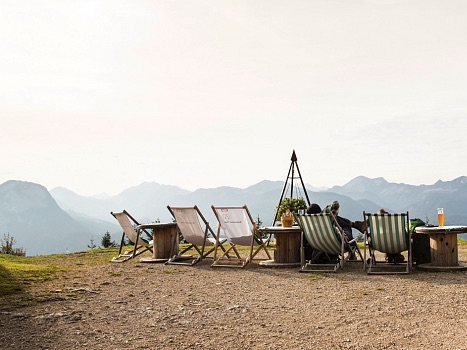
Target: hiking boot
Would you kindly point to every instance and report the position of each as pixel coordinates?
(353, 257)
(395, 258)
(359, 225)
(399, 259)
(332, 258)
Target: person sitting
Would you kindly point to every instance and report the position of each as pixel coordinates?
(346, 224)
(391, 258)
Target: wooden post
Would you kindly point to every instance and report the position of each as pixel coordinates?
(163, 241)
(287, 247)
(444, 249)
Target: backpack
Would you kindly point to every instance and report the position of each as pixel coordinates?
(420, 243)
(414, 223)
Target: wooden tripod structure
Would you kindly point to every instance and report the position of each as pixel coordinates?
(292, 176)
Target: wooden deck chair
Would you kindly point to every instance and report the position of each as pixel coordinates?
(141, 244)
(240, 230)
(188, 222)
(325, 236)
(387, 233)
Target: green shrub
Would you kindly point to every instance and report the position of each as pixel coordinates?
(6, 246)
(292, 204)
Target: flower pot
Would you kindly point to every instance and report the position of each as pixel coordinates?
(287, 221)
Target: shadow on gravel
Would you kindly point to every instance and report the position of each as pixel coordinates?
(354, 273)
(351, 272)
(8, 284)
(21, 327)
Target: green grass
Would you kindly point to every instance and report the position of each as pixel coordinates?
(95, 256)
(315, 276)
(461, 242)
(18, 272)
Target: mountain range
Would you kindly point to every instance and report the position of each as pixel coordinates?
(44, 222)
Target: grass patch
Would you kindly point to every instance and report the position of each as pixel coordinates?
(97, 256)
(116, 273)
(462, 242)
(17, 272)
(315, 276)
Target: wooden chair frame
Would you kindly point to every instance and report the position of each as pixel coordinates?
(192, 231)
(251, 238)
(128, 224)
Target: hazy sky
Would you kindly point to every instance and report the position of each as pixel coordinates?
(98, 96)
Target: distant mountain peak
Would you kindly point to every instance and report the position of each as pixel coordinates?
(363, 184)
(153, 186)
(458, 182)
(462, 180)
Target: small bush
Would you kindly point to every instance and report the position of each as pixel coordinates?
(7, 246)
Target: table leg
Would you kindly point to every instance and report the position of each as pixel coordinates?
(444, 250)
(287, 248)
(163, 239)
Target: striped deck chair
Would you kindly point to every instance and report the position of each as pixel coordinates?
(141, 244)
(240, 230)
(188, 222)
(387, 233)
(325, 236)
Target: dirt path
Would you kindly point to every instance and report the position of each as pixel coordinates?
(154, 306)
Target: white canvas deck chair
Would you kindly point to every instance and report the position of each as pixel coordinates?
(188, 222)
(387, 233)
(325, 236)
(240, 230)
(141, 244)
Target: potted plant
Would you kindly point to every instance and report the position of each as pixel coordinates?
(287, 208)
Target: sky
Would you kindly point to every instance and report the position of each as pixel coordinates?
(100, 96)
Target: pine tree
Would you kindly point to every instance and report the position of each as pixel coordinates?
(106, 241)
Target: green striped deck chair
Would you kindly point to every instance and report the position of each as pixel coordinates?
(387, 233)
(324, 235)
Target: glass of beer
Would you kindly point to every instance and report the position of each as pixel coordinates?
(440, 217)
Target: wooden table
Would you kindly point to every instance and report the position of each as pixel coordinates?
(443, 247)
(287, 246)
(165, 241)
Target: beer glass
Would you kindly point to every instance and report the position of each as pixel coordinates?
(440, 217)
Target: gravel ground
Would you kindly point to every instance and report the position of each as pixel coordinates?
(155, 306)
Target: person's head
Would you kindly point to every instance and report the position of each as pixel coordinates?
(381, 211)
(313, 209)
